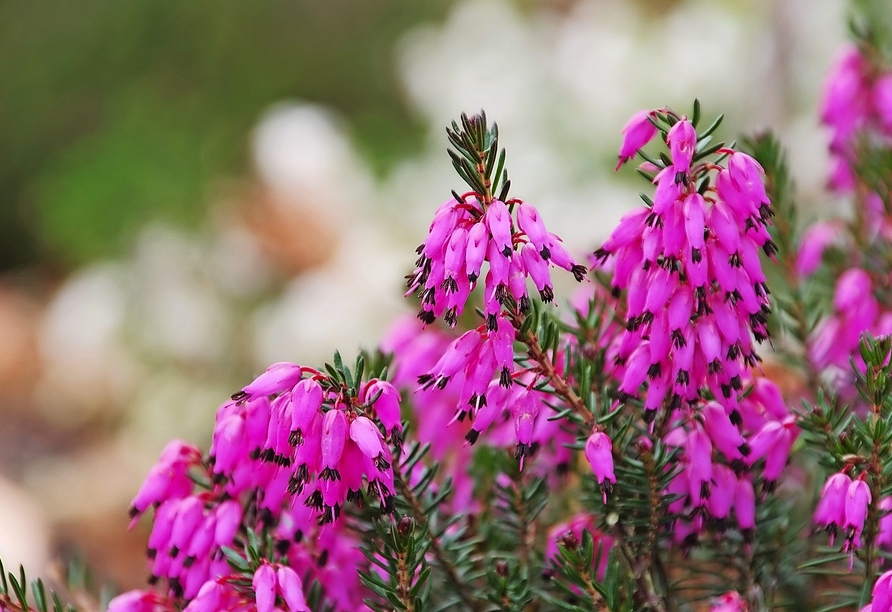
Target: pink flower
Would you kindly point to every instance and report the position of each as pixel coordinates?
(277, 378)
(844, 104)
(682, 139)
(882, 593)
(745, 508)
(599, 453)
(857, 502)
(830, 511)
(729, 602)
(636, 134)
(264, 585)
(882, 100)
(291, 589)
(136, 601)
(812, 245)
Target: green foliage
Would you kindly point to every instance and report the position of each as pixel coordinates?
(580, 591)
(118, 113)
(399, 551)
(14, 594)
(477, 158)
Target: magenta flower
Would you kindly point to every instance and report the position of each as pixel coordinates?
(466, 233)
(830, 511)
(882, 593)
(291, 589)
(857, 502)
(599, 454)
(745, 508)
(137, 601)
(167, 479)
(812, 245)
(264, 585)
(682, 139)
(277, 378)
(729, 602)
(636, 134)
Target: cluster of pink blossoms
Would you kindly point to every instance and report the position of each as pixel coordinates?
(459, 404)
(467, 232)
(718, 458)
(857, 98)
(289, 450)
(696, 293)
(835, 340)
(696, 300)
(843, 505)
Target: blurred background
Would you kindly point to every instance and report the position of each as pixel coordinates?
(191, 191)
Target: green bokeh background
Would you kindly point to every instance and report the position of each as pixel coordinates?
(114, 113)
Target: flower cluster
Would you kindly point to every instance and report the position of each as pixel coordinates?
(689, 261)
(857, 97)
(468, 231)
(466, 391)
(695, 301)
(843, 505)
(718, 457)
(288, 451)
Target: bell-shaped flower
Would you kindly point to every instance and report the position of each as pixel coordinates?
(291, 589)
(498, 220)
(745, 507)
(857, 503)
(525, 409)
(208, 598)
(599, 454)
(478, 239)
(368, 438)
(277, 378)
(882, 593)
(830, 511)
(722, 431)
(306, 402)
(228, 518)
(264, 585)
(334, 436)
(682, 139)
(387, 404)
(637, 132)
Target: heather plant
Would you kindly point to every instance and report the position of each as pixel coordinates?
(627, 447)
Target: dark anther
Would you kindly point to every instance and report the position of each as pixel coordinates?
(282, 547)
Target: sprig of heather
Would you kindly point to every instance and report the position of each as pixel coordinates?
(689, 263)
(289, 451)
(509, 235)
(477, 227)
